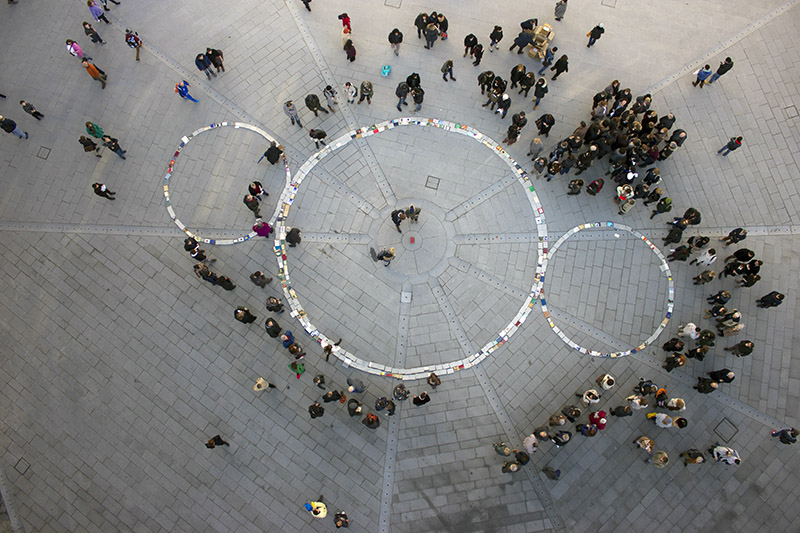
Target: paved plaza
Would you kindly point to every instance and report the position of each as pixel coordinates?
(118, 364)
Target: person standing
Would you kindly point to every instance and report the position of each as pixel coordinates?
(422, 399)
(418, 95)
(349, 50)
(243, 315)
(340, 520)
(431, 35)
(203, 64)
(734, 144)
(89, 145)
(561, 9)
(90, 32)
(330, 97)
(395, 39)
(75, 49)
(319, 136)
(215, 441)
(94, 130)
(539, 91)
(402, 93)
(259, 279)
(398, 216)
(495, 37)
(306, 3)
(96, 11)
(313, 103)
(702, 75)
(447, 68)
(182, 89)
(351, 92)
(562, 65)
(316, 410)
(291, 111)
(29, 109)
(724, 67)
(95, 72)
(594, 34)
(101, 190)
(216, 58)
(133, 40)
(252, 204)
(113, 144)
(773, 299)
(735, 236)
(412, 214)
(273, 154)
(706, 385)
(366, 92)
(470, 42)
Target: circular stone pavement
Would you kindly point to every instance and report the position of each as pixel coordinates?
(434, 230)
(664, 267)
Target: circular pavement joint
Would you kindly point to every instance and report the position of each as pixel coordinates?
(664, 268)
(184, 141)
(349, 359)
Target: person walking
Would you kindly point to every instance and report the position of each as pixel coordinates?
(273, 154)
(293, 236)
(663, 206)
(539, 91)
(101, 190)
(741, 348)
(477, 53)
(330, 97)
(290, 111)
(96, 11)
(545, 123)
(217, 58)
(773, 299)
(724, 67)
(560, 10)
(735, 236)
(215, 441)
(132, 39)
(243, 315)
(306, 3)
(734, 144)
(706, 385)
(702, 75)
(340, 520)
(594, 34)
(113, 144)
(90, 32)
(316, 410)
(724, 454)
(659, 459)
(447, 68)
(349, 50)
(395, 39)
(562, 65)
(9, 126)
(312, 102)
(422, 399)
(692, 456)
(203, 64)
(318, 136)
(386, 256)
(547, 60)
(786, 436)
(95, 72)
(366, 92)
(724, 375)
(74, 49)
(89, 145)
(182, 89)
(29, 109)
(398, 216)
(495, 37)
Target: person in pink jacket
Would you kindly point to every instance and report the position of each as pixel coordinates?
(75, 49)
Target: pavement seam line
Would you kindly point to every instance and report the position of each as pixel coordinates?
(494, 402)
(11, 509)
(481, 275)
(688, 380)
(350, 120)
(336, 184)
(480, 197)
(703, 60)
(393, 435)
